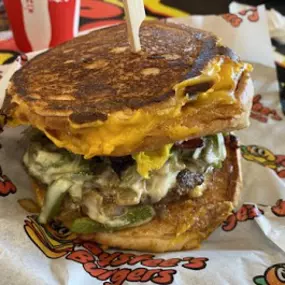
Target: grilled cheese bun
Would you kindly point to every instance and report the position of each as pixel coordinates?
(183, 224)
(94, 97)
(187, 223)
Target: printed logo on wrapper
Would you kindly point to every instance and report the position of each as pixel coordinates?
(56, 241)
(262, 113)
(245, 213)
(249, 212)
(236, 19)
(274, 275)
(264, 157)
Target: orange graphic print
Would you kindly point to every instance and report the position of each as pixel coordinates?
(6, 185)
(279, 208)
(274, 275)
(56, 241)
(264, 157)
(245, 213)
(236, 19)
(53, 239)
(261, 113)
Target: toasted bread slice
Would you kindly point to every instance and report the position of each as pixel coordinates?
(93, 96)
(187, 223)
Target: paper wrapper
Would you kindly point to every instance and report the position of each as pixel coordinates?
(247, 249)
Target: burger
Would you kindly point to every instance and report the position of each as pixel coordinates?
(134, 150)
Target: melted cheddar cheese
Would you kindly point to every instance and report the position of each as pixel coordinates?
(124, 131)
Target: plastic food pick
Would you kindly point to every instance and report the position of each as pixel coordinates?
(135, 14)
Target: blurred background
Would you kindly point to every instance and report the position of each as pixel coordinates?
(96, 10)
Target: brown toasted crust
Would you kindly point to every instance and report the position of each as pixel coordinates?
(187, 223)
(92, 76)
(207, 119)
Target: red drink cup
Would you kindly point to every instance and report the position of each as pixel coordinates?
(40, 24)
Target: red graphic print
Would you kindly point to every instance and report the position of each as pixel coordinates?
(261, 113)
(233, 19)
(245, 213)
(6, 185)
(236, 20)
(252, 13)
(195, 263)
(97, 263)
(280, 161)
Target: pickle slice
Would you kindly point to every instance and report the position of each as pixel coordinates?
(134, 216)
(53, 199)
(214, 152)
